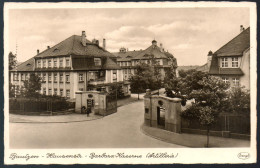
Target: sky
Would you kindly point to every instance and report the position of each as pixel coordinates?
(188, 33)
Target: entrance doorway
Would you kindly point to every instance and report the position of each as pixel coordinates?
(160, 117)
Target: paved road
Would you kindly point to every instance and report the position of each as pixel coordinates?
(119, 130)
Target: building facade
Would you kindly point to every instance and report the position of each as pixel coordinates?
(75, 64)
(231, 62)
(128, 60)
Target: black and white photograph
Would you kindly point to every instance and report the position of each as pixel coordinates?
(130, 83)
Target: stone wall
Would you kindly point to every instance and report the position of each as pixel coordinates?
(162, 112)
(99, 102)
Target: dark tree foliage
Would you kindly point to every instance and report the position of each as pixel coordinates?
(12, 61)
(146, 77)
(239, 101)
(32, 86)
(183, 85)
(11, 90)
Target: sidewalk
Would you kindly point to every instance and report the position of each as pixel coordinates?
(15, 118)
(192, 140)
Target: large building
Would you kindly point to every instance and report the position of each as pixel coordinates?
(128, 60)
(75, 64)
(231, 62)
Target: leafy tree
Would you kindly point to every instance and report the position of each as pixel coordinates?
(146, 77)
(12, 61)
(32, 86)
(204, 114)
(239, 100)
(183, 85)
(11, 90)
(210, 96)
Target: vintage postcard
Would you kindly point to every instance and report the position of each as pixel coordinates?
(130, 83)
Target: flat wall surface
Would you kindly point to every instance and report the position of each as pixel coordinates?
(163, 112)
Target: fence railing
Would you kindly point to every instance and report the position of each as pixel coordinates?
(234, 123)
(39, 105)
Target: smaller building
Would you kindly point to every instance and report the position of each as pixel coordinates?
(231, 62)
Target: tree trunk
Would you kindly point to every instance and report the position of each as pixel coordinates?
(207, 137)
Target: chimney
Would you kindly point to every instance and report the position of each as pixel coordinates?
(38, 51)
(83, 38)
(48, 47)
(104, 43)
(241, 28)
(161, 47)
(210, 54)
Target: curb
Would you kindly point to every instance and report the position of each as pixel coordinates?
(39, 122)
(158, 138)
(34, 122)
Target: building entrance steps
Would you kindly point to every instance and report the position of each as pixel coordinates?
(192, 140)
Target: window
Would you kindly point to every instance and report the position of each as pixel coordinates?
(44, 77)
(235, 62)
(225, 79)
(49, 63)
(55, 78)
(97, 61)
(26, 76)
(22, 77)
(39, 63)
(44, 63)
(67, 62)
(224, 62)
(236, 81)
(15, 77)
(44, 91)
(80, 77)
(55, 63)
(49, 77)
(61, 62)
(61, 92)
(80, 89)
(67, 78)
(50, 92)
(114, 75)
(68, 93)
(55, 91)
(61, 78)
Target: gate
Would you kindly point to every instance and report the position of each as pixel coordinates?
(111, 102)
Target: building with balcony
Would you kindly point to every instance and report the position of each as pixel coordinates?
(153, 55)
(75, 64)
(232, 61)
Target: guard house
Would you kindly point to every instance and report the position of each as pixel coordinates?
(98, 102)
(162, 112)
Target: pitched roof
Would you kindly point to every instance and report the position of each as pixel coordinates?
(87, 63)
(110, 64)
(154, 51)
(203, 68)
(187, 67)
(236, 46)
(25, 66)
(126, 56)
(73, 46)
